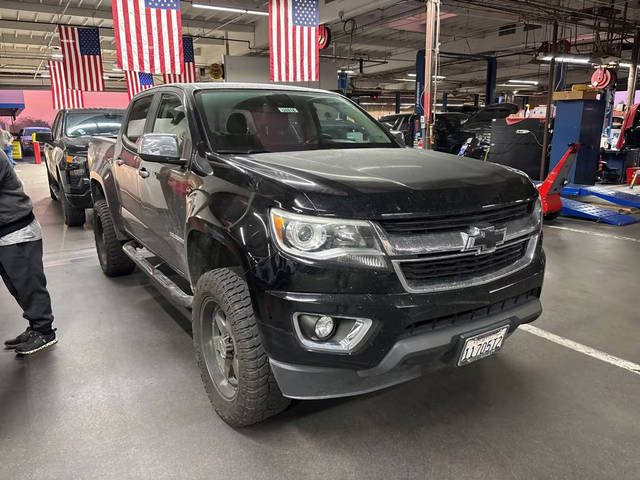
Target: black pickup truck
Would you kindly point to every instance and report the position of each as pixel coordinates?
(314, 263)
(65, 153)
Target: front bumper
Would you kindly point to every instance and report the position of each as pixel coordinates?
(77, 189)
(410, 332)
(409, 358)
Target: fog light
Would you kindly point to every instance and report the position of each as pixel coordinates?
(324, 327)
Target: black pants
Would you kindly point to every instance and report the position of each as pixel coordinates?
(23, 274)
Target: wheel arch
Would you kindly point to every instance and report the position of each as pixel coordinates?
(209, 248)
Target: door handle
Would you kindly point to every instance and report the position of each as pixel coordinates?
(143, 172)
(119, 162)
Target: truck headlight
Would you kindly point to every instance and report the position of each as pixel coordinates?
(320, 238)
(537, 211)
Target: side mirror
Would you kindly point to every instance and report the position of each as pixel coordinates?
(399, 136)
(159, 147)
(44, 137)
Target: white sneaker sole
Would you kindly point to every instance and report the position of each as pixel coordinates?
(36, 350)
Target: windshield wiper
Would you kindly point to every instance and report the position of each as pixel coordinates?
(240, 152)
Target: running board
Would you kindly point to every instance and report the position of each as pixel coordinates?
(140, 257)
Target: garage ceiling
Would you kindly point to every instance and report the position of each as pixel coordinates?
(385, 34)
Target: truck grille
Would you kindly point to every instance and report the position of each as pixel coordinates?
(461, 221)
(433, 270)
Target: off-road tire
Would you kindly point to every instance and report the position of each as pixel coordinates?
(113, 260)
(258, 396)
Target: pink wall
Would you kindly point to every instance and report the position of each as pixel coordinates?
(38, 104)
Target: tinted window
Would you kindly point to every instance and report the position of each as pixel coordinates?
(138, 117)
(171, 118)
(32, 130)
(78, 124)
(243, 121)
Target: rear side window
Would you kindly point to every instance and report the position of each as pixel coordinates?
(138, 118)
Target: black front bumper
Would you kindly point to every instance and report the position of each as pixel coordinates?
(410, 333)
(409, 358)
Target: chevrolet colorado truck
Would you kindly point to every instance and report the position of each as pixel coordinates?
(65, 154)
(314, 262)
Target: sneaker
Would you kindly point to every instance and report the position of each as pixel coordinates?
(37, 341)
(14, 342)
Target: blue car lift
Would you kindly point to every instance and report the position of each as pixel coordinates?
(578, 209)
(552, 188)
(574, 208)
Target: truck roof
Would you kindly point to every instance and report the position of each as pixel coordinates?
(240, 86)
(97, 109)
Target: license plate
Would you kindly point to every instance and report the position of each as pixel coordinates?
(482, 345)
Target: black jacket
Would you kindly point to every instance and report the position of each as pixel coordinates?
(16, 210)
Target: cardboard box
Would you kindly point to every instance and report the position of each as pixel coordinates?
(576, 95)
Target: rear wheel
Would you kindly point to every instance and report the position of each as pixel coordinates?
(234, 366)
(113, 261)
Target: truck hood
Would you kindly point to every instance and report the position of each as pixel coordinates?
(377, 183)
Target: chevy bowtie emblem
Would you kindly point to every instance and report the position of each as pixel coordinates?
(483, 240)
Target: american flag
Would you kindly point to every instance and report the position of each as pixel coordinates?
(148, 34)
(81, 58)
(137, 82)
(189, 67)
(61, 95)
(293, 40)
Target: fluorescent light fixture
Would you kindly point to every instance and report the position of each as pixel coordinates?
(405, 79)
(624, 65)
(524, 82)
(348, 72)
(411, 74)
(229, 9)
(45, 75)
(576, 60)
(439, 77)
(56, 56)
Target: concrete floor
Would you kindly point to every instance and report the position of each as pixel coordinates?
(120, 396)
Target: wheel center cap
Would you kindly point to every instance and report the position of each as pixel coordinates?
(224, 347)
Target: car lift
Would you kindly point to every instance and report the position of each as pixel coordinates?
(553, 204)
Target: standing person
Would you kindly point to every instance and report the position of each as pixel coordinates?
(6, 141)
(21, 263)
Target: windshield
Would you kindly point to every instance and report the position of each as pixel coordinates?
(30, 130)
(93, 123)
(255, 121)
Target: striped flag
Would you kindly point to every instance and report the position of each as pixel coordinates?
(189, 65)
(81, 58)
(148, 34)
(62, 96)
(293, 40)
(137, 82)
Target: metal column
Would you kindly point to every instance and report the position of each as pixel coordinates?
(490, 88)
(430, 45)
(633, 70)
(445, 96)
(397, 102)
(551, 81)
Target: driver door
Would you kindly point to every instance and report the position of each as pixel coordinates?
(163, 186)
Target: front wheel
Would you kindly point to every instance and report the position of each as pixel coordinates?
(234, 367)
